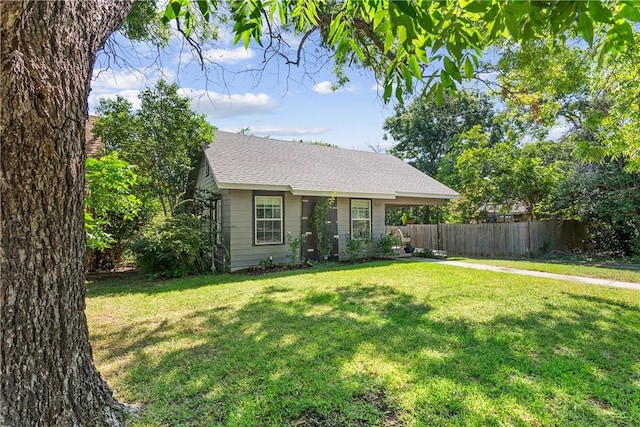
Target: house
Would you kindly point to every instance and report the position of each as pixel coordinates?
(266, 189)
(493, 212)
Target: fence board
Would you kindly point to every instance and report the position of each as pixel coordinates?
(511, 239)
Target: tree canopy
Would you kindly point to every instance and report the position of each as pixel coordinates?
(164, 138)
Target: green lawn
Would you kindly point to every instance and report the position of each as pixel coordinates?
(603, 271)
(381, 344)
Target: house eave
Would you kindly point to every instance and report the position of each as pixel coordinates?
(338, 193)
(430, 195)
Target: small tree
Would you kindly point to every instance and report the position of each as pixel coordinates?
(322, 227)
(111, 208)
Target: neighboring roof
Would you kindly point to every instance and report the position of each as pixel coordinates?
(93, 143)
(249, 162)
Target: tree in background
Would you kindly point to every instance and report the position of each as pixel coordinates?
(164, 139)
(547, 84)
(427, 132)
(46, 72)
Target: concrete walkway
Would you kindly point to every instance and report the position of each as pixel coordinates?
(588, 280)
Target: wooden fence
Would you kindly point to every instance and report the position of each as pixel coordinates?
(496, 240)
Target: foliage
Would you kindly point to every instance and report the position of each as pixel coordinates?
(427, 133)
(386, 243)
(164, 138)
(174, 247)
(112, 210)
(401, 40)
(266, 263)
(342, 346)
(547, 84)
(322, 229)
(505, 175)
(356, 247)
(424, 253)
(295, 245)
(606, 196)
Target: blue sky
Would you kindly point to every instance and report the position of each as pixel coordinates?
(281, 101)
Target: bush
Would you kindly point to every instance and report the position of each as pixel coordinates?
(386, 243)
(425, 253)
(356, 248)
(174, 247)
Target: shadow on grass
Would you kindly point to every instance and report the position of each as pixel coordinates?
(361, 355)
(133, 283)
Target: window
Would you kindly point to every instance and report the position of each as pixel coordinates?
(361, 218)
(268, 220)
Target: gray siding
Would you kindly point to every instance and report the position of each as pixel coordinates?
(206, 182)
(344, 220)
(242, 250)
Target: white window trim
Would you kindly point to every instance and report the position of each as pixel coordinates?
(361, 219)
(255, 221)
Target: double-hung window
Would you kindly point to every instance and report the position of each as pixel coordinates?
(361, 218)
(268, 220)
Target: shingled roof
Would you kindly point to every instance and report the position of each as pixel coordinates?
(249, 162)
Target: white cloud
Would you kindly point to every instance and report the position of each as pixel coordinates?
(558, 131)
(229, 56)
(218, 105)
(107, 83)
(323, 88)
(326, 87)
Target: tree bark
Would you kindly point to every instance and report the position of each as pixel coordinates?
(48, 50)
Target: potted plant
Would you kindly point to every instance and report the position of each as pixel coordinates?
(407, 218)
(408, 249)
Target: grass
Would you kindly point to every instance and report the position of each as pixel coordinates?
(381, 344)
(600, 271)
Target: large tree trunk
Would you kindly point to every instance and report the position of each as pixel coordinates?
(48, 50)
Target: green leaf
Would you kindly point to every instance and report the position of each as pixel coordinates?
(599, 12)
(625, 32)
(446, 79)
(452, 69)
(388, 87)
(512, 26)
(468, 68)
(203, 5)
(408, 78)
(415, 67)
(629, 12)
(439, 94)
(477, 6)
(585, 27)
(406, 7)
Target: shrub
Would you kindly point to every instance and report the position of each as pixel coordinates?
(174, 247)
(294, 247)
(356, 248)
(386, 243)
(424, 253)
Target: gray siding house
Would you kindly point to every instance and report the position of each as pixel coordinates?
(265, 189)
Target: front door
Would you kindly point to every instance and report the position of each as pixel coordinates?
(309, 246)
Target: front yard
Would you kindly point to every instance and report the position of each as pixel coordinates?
(384, 344)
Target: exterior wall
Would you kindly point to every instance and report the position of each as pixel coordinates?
(344, 220)
(205, 181)
(243, 252)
